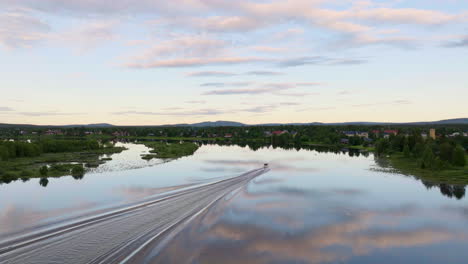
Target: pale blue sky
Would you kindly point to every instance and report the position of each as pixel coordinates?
(154, 62)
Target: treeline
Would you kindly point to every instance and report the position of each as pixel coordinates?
(430, 154)
(18, 149)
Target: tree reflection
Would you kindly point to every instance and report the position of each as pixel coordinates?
(78, 176)
(44, 182)
(449, 190)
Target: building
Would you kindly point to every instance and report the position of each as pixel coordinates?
(390, 132)
(228, 136)
(349, 133)
(432, 133)
(279, 132)
(51, 132)
(362, 134)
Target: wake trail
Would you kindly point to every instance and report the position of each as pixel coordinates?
(119, 236)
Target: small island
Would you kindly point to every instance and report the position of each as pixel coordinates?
(164, 150)
(50, 157)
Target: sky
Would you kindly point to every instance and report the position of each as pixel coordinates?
(151, 62)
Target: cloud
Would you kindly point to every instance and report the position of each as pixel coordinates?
(394, 102)
(222, 84)
(271, 88)
(288, 34)
(268, 49)
(89, 35)
(261, 109)
(176, 111)
(211, 74)
(193, 62)
(404, 16)
(460, 43)
(230, 74)
(308, 60)
(264, 73)
(200, 112)
(117, 7)
(20, 29)
(288, 237)
(47, 114)
(196, 102)
(238, 91)
(318, 60)
(5, 109)
(227, 24)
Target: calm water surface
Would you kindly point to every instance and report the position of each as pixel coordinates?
(310, 208)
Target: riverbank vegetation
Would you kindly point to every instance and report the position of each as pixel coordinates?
(437, 160)
(50, 158)
(411, 148)
(165, 150)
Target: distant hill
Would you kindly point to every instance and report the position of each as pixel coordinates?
(444, 122)
(218, 124)
(455, 121)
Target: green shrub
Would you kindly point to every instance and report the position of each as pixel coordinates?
(44, 171)
(78, 170)
(458, 157)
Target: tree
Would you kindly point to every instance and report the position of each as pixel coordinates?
(406, 151)
(381, 146)
(458, 157)
(43, 182)
(418, 149)
(78, 171)
(427, 158)
(446, 151)
(44, 171)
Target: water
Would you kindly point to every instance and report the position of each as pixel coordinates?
(311, 207)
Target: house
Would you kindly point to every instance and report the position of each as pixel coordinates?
(389, 132)
(279, 132)
(344, 141)
(349, 133)
(51, 132)
(356, 133)
(362, 134)
(228, 136)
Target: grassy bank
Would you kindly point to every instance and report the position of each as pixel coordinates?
(59, 164)
(340, 146)
(162, 150)
(410, 166)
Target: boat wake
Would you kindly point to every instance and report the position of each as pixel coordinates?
(123, 235)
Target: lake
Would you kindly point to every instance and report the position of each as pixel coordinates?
(310, 207)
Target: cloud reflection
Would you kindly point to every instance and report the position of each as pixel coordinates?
(264, 230)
